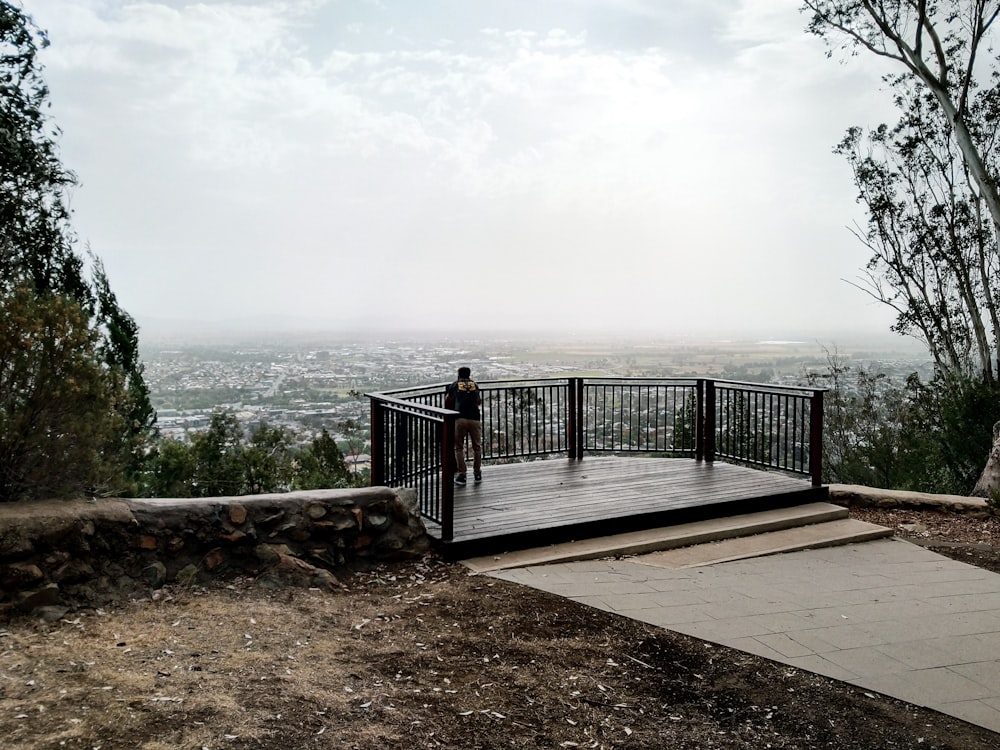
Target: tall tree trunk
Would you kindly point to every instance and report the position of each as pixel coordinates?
(988, 485)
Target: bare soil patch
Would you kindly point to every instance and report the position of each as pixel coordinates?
(425, 655)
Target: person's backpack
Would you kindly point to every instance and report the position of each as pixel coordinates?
(462, 393)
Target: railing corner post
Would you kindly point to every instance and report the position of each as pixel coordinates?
(574, 426)
(708, 420)
(377, 473)
(699, 419)
(816, 438)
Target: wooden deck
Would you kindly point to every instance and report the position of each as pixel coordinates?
(549, 501)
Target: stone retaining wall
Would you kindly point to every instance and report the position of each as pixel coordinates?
(853, 494)
(59, 555)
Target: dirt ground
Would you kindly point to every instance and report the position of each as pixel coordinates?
(425, 655)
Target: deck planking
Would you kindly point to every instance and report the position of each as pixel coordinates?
(548, 501)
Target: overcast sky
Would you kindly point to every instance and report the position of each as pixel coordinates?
(557, 165)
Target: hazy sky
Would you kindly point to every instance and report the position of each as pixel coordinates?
(549, 164)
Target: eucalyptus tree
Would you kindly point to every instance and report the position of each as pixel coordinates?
(929, 182)
(945, 46)
(934, 256)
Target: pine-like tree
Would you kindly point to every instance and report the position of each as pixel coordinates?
(46, 291)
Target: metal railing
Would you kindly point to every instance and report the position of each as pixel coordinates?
(640, 415)
(764, 426)
(768, 426)
(413, 446)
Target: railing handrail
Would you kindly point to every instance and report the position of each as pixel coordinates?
(410, 405)
(415, 390)
(641, 379)
(433, 388)
(748, 385)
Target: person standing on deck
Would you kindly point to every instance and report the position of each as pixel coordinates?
(463, 396)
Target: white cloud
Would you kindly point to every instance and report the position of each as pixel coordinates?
(310, 157)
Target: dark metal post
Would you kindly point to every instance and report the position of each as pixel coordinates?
(448, 477)
(699, 420)
(377, 443)
(708, 420)
(571, 417)
(816, 438)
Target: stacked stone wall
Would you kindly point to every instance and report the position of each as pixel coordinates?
(850, 495)
(60, 555)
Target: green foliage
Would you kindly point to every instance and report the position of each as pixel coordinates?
(735, 436)
(57, 401)
(104, 408)
(355, 442)
(863, 416)
(948, 435)
(686, 424)
(35, 246)
(268, 461)
(224, 461)
(945, 49)
(170, 470)
(994, 500)
(218, 455)
(926, 437)
(322, 465)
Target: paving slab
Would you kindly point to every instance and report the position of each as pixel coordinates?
(885, 615)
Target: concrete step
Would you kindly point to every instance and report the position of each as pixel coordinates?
(813, 536)
(667, 538)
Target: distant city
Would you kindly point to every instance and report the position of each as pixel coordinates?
(307, 382)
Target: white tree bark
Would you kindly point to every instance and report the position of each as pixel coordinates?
(881, 28)
(988, 485)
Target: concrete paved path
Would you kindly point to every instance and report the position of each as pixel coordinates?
(886, 615)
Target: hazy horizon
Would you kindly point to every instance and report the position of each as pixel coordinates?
(249, 329)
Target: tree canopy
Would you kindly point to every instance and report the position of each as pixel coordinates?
(226, 459)
(929, 181)
(940, 44)
(70, 373)
(934, 256)
(929, 184)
